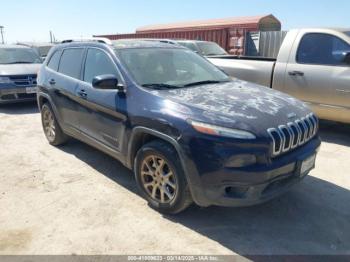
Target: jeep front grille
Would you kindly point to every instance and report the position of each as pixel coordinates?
(294, 134)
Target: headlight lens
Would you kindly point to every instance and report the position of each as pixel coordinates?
(221, 131)
(5, 80)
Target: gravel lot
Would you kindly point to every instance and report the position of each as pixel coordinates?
(77, 200)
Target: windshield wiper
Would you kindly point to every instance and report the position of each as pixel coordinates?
(206, 82)
(21, 62)
(160, 86)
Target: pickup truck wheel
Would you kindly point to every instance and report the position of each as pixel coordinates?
(160, 178)
(52, 129)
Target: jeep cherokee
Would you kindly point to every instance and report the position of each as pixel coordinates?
(187, 130)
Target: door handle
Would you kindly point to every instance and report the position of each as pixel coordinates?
(82, 94)
(296, 73)
(52, 82)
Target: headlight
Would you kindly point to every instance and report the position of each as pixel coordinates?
(221, 131)
(4, 80)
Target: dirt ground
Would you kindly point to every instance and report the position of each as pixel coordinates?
(77, 200)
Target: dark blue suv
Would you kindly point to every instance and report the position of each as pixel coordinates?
(187, 130)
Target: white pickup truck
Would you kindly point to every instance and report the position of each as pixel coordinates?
(313, 65)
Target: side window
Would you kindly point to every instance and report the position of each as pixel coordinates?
(98, 63)
(54, 60)
(71, 61)
(322, 49)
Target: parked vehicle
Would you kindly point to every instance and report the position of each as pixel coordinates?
(18, 71)
(186, 129)
(42, 48)
(204, 48)
(313, 65)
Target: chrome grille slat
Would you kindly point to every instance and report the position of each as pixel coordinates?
(312, 127)
(296, 134)
(314, 120)
(271, 131)
(293, 134)
(285, 147)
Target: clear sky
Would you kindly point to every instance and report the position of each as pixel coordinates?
(32, 20)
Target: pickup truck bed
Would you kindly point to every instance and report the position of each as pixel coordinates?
(313, 65)
(252, 69)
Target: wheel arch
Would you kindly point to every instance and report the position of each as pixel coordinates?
(142, 135)
(137, 140)
(45, 98)
(42, 100)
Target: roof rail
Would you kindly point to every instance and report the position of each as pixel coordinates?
(102, 40)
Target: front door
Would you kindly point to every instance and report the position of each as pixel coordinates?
(102, 112)
(318, 75)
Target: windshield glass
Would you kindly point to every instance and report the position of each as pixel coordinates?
(189, 45)
(347, 33)
(210, 48)
(44, 50)
(18, 55)
(173, 68)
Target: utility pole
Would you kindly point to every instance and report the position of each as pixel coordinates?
(2, 34)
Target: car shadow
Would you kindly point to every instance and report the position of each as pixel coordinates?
(19, 108)
(312, 219)
(336, 133)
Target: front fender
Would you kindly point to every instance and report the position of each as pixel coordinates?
(191, 173)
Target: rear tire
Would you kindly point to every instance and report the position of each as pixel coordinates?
(161, 179)
(51, 127)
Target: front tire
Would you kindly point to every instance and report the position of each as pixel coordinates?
(51, 127)
(160, 178)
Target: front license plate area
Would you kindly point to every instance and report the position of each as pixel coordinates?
(307, 165)
(31, 90)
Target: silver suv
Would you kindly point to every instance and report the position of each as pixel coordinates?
(18, 71)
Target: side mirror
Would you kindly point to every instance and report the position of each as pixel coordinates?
(106, 82)
(346, 59)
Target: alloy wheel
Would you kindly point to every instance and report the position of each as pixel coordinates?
(158, 179)
(49, 125)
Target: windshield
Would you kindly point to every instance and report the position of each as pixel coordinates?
(189, 45)
(210, 48)
(173, 68)
(44, 50)
(19, 55)
(347, 33)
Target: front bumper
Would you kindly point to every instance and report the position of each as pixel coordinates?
(235, 187)
(17, 94)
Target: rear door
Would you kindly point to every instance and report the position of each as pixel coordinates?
(317, 74)
(64, 84)
(101, 112)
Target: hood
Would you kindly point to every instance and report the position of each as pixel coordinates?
(237, 104)
(19, 69)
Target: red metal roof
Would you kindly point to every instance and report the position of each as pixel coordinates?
(205, 24)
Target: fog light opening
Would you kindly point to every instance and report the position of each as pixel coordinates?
(236, 192)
